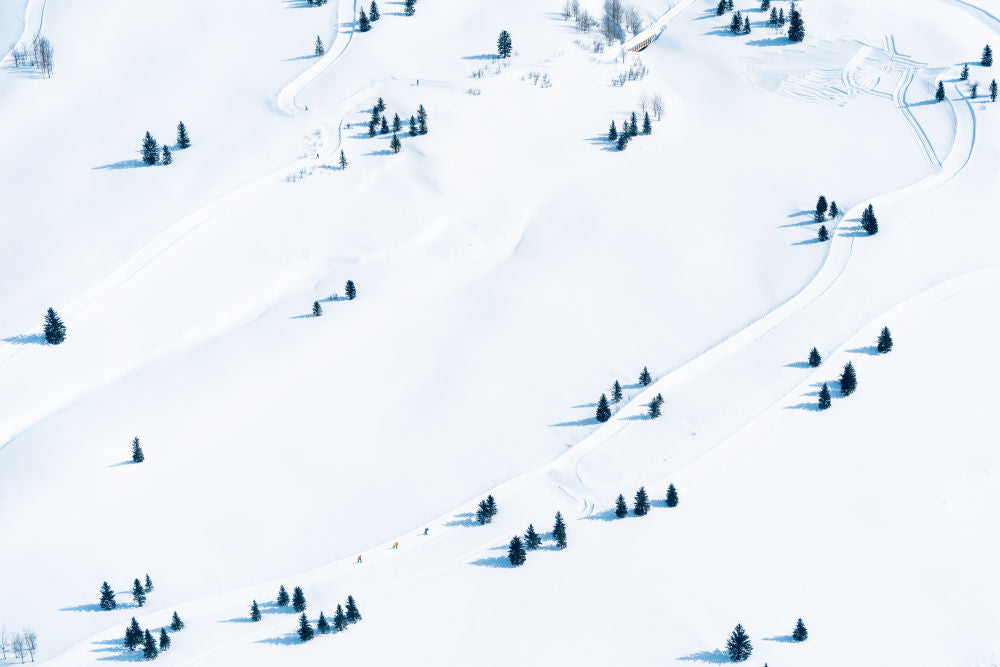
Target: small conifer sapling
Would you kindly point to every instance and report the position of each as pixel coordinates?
(672, 498)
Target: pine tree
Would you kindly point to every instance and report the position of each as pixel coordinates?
(422, 119)
(738, 646)
(319, 50)
(183, 140)
(373, 13)
(821, 206)
(409, 7)
(616, 393)
(721, 9)
(848, 380)
(781, 16)
(939, 95)
(655, 407)
(397, 124)
(339, 620)
(372, 128)
(824, 397)
(138, 595)
(621, 507)
(736, 25)
(395, 144)
(746, 25)
(993, 90)
(137, 455)
(176, 623)
(298, 600)
(729, 5)
(814, 358)
(974, 91)
(352, 615)
(834, 211)
(773, 21)
(483, 515)
(672, 498)
(647, 127)
(965, 72)
(164, 639)
(504, 44)
(384, 127)
(987, 59)
(765, 5)
(623, 139)
(641, 507)
(376, 114)
(645, 379)
(633, 126)
(254, 612)
(282, 597)
(150, 149)
(343, 160)
(491, 505)
(800, 634)
(413, 126)
(823, 235)
(796, 27)
(133, 635)
(381, 105)
(885, 341)
(149, 651)
(350, 290)
(148, 586)
(55, 330)
(868, 221)
(305, 632)
(559, 532)
(363, 24)
(322, 624)
(603, 409)
(168, 158)
(532, 540)
(613, 132)
(107, 597)
(515, 553)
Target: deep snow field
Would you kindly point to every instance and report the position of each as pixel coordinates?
(510, 266)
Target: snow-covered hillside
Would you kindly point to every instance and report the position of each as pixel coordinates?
(510, 266)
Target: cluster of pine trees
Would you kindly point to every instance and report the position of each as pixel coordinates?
(617, 396)
(341, 619)
(630, 129)
(139, 592)
(135, 636)
(379, 124)
(740, 23)
(151, 150)
(518, 548)
(350, 290)
(986, 61)
(642, 505)
(820, 216)
(486, 510)
(739, 647)
(365, 21)
(849, 378)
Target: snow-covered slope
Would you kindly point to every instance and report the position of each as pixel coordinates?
(510, 266)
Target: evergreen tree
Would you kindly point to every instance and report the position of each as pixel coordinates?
(138, 595)
(148, 586)
(993, 90)
(305, 632)
(868, 221)
(363, 24)
(55, 330)
(183, 140)
(352, 615)
(824, 397)
(823, 235)
(164, 639)
(422, 119)
(168, 158)
(339, 620)
(372, 128)
(965, 72)
(282, 597)
(621, 507)
(834, 211)
(623, 139)
(376, 114)
(800, 634)
(350, 290)
(721, 9)
(107, 597)
(736, 25)
(814, 358)
(773, 20)
(254, 612)
(397, 124)
(150, 149)
(633, 126)
(491, 505)
(647, 127)
(765, 5)
(645, 379)
(395, 144)
(176, 623)
(655, 407)
(796, 27)
(559, 532)
(974, 91)
(298, 600)
(738, 645)
(613, 132)
(515, 553)
(343, 160)
(603, 409)
(384, 127)
(409, 7)
(821, 206)
(381, 105)
(848, 380)
(137, 455)
(672, 498)
(322, 624)
(413, 126)
(987, 59)
(319, 50)
(885, 341)
(133, 635)
(616, 393)
(483, 515)
(641, 507)
(504, 44)
(373, 13)
(532, 540)
(781, 16)
(729, 5)
(149, 651)
(746, 25)
(939, 95)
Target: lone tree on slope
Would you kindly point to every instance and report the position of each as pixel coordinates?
(176, 624)
(55, 330)
(603, 409)
(254, 612)
(987, 59)
(150, 149)
(616, 392)
(317, 309)
(672, 499)
(641, 502)
(621, 507)
(884, 341)
(559, 532)
(824, 397)
(800, 634)
(298, 600)
(796, 27)
(993, 90)
(397, 124)
(363, 24)
(532, 540)
(350, 290)
(137, 454)
(738, 645)
(319, 50)
(183, 139)
(965, 72)
(504, 44)
(515, 553)
(814, 358)
(939, 94)
(645, 379)
(107, 597)
(343, 161)
(352, 615)
(848, 380)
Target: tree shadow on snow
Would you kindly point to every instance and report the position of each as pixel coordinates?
(585, 405)
(271, 607)
(463, 519)
(126, 462)
(813, 407)
(283, 640)
(812, 241)
(308, 316)
(378, 153)
(772, 41)
(589, 421)
(784, 639)
(125, 164)
(116, 651)
(607, 515)
(601, 140)
(716, 657)
(26, 339)
(84, 607)
(636, 418)
(803, 223)
(494, 561)
(870, 350)
(482, 56)
(923, 103)
(798, 364)
(237, 619)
